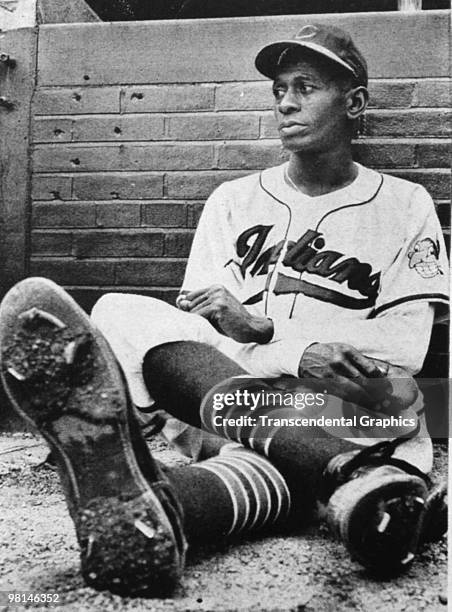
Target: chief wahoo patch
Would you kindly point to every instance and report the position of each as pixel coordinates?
(424, 258)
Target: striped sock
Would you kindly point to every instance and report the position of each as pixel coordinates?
(236, 492)
(223, 422)
(183, 378)
(300, 454)
(258, 493)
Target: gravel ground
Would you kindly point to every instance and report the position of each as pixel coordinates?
(307, 571)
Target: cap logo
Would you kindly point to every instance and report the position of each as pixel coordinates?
(308, 31)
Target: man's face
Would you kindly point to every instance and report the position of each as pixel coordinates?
(310, 107)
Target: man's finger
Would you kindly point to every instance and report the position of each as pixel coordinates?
(346, 369)
(349, 391)
(205, 309)
(192, 295)
(365, 365)
(208, 312)
(201, 299)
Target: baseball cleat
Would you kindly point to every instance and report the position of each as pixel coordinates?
(62, 378)
(380, 507)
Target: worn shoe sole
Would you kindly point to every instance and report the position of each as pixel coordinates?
(61, 377)
(379, 517)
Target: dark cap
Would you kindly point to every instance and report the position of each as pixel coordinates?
(329, 41)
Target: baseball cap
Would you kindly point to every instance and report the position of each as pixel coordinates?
(329, 41)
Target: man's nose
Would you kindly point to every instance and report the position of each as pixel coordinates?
(289, 103)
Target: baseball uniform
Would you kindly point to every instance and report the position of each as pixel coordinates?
(359, 265)
(355, 266)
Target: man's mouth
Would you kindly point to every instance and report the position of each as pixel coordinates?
(289, 127)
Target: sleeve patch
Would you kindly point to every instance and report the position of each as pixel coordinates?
(424, 258)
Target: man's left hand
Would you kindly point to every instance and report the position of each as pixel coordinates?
(227, 314)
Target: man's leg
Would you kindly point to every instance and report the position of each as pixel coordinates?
(184, 377)
(132, 325)
(62, 377)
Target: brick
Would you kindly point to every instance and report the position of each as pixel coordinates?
(253, 156)
(118, 244)
(244, 96)
(118, 128)
(74, 272)
(52, 129)
(161, 156)
(390, 94)
(407, 123)
(193, 185)
(163, 272)
(121, 186)
(74, 214)
(118, 214)
(167, 98)
(194, 213)
(268, 126)
(434, 155)
(213, 127)
(51, 187)
(51, 243)
(165, 214)
(178, 244)
(79, 100)
(432, 93)
(437, 182)
(377, 155)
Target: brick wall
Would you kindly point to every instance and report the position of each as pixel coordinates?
(132, 132)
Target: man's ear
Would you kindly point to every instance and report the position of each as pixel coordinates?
(357, 100)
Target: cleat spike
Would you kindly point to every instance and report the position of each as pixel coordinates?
(407, 559)
(30, 316)
(72, 348)
(147, 530)
(15, 374)
(89, 549)
(69, 352)
(384, 522)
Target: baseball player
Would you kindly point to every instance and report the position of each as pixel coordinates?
(316, 272)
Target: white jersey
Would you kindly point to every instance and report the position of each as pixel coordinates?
(323, 268)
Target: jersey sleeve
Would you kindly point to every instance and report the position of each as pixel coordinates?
(212, 246)
(419, 272)
(400, 336)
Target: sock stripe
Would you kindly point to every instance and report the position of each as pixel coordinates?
(254, 479)
(230, 490)
(275, 495)
(237, 490)
(267, 491)
(279, 484)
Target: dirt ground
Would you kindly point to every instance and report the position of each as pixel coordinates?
(307, 571)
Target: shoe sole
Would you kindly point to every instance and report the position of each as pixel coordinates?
(65, 381)
(379, 518)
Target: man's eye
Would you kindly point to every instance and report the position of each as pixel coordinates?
(305, 88)
(278, 92)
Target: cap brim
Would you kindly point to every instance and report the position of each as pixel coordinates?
(268, 58)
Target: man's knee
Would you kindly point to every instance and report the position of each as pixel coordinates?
(116, 306)
(110, 304)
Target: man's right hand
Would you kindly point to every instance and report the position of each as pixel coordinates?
(346, 373)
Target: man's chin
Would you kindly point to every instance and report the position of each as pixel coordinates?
(293, 146)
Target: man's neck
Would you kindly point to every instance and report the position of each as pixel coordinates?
(316, 175)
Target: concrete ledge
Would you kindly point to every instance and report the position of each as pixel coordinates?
(396, 44)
